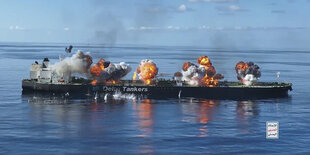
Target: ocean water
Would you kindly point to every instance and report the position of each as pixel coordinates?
(35, 124)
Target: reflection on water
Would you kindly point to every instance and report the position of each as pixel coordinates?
(54, 115)
(67, 116)
(205, 112)
(139, 121)
(245, 110)
(43, 99)
(62, 116)
(194, 111)
(200, 111)
(144, 113)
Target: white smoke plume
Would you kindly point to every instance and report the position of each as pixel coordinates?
(115, 71)
(193, 74)
(104, 71)
(78, 63)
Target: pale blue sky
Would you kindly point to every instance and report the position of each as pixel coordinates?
(209, 23)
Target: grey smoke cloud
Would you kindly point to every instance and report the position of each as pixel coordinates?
(106, 24)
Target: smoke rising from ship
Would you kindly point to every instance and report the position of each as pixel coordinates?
(247, 72)
(104, 71)
(78, 63)
(192, 74)
(204, 74)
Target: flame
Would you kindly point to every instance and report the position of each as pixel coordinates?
(241, 66)
(177, 74)
(94, 82)
(148, 81)
(211, 78)
(100, 63)
(97, 68)
(210, 81)
(204, 60)
(147, 71)
(186, 65)
(134, 76)
(111, 82)
(247, 68)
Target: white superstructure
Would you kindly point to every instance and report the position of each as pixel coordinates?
(44, 73)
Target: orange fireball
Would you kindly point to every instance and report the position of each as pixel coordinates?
(178, 74)
(241, 66)
(186, 65)
(147, 71)
(211, 78)
(204, 60)
(96, 70)
(94, 82)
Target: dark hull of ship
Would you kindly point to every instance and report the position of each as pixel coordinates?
(221, 92)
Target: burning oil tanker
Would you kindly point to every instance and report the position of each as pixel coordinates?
(200, 81)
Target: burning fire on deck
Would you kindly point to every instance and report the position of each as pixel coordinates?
(204, 74)
(211, 78)
(108, 73)
(247, 72)
(104, 72)
(97, 68)
(147, 71)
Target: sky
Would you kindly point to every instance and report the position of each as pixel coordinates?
(249, 24)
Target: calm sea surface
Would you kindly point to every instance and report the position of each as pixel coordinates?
(66, 125)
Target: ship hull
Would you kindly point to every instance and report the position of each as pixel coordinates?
(222, 92)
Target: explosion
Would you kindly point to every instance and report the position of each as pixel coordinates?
(147, 71)
(78, 63)
(178, 78)
(247, 72)
(178, 74)
(204, 60)
(210, 78)
(97, 68)
(105, 72)
(192, 74)
(204, 74)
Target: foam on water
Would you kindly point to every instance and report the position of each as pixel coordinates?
(119, 95)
